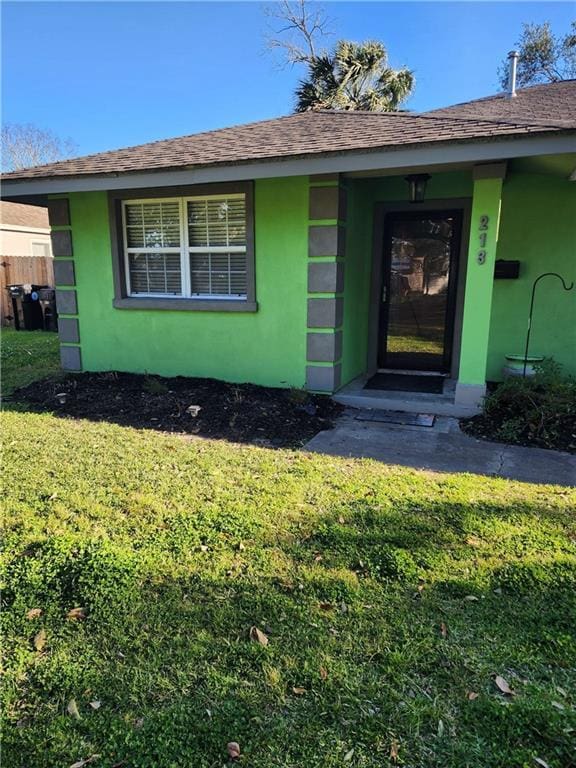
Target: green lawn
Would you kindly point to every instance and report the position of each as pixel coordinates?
(390, 598)
(24, 354)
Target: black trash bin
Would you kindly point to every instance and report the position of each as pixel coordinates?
(26, 307)
(47, 300)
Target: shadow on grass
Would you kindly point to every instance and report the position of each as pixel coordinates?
(372, 639)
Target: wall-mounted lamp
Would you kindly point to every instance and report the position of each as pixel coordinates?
(417, 184)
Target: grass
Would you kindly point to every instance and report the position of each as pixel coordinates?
(390, 598)
(408, 343)
(24, 354)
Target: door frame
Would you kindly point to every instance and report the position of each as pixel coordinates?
(383, 209)
(421, 212)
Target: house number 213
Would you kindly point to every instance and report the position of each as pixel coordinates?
(482, 237)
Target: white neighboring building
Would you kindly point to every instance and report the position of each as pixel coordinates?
(24, 230)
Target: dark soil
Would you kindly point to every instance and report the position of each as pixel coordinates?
(486, 428)
(242, 413)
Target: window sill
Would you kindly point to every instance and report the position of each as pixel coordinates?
(188, 305)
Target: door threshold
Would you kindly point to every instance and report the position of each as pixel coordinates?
(406, 372)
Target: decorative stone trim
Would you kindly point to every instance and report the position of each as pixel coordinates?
(326, 240)
(61, 242)
(64, 272)
(66, 302)
(326, 246)
(59, 212)
(323, 378)
(327, 203)
(68, 330)
(324, 347)
(325, 313)
(65, 280)
(325, 277)
(70, 358)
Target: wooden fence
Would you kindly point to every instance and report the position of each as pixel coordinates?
(22, 270)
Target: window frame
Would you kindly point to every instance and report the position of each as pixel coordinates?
(123, 299)
(47, 249)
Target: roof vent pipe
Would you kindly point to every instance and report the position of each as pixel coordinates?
(512, 65)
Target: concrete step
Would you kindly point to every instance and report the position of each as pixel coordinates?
(354, 396)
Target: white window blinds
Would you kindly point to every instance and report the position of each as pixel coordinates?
(217, 246)
(193, 247)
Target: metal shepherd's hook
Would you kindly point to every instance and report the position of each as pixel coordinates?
(566, 288)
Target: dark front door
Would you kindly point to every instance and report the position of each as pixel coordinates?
(418, 290)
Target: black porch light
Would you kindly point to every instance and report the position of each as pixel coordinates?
(417, 184)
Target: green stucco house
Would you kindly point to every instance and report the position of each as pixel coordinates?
(316, 249)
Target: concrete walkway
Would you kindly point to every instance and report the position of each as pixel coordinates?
(442, 448)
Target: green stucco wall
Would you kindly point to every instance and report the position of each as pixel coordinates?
(266, 347)
(537, 227)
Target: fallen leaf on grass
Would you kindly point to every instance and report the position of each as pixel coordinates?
(34, 613)
(233, 749)
(95, 704)
(472, 695)
(443, 630)
(298, 691)
(503, 686)
(326, 606)
(76, 614)
(72, 709)
(394, 749)
(84, 762)
(257, 636)
(323, 673)
(348, 756)
(40, 640)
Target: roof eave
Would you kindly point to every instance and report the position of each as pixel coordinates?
(426, 154)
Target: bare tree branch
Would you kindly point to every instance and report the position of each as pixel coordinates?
(296, 29)
(26, 145)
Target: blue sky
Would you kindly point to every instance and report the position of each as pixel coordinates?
(113, 74)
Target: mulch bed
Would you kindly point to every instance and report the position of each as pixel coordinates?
(207, 407)
(484, 428)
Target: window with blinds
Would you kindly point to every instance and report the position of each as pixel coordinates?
(153, 244)
(217, 246)
(187, 247)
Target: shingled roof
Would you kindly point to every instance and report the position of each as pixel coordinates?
(540, 110)
(20, 215)
(538, 103)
